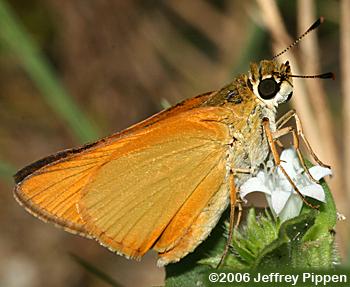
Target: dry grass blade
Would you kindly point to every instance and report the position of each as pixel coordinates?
(345, 76)
(317, 95)
(309, 50)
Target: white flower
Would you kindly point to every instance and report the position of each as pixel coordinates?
(282, 199)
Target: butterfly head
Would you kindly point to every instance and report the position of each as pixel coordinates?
(271, 82)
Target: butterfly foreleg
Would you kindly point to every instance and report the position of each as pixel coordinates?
(290, 130)
(282, 121)
(276, 157)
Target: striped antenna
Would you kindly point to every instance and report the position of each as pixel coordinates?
(329, 75)
(313, 27)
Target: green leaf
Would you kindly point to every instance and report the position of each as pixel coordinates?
(251, 239)
(190, 278)
(282, 250)
(326, 219)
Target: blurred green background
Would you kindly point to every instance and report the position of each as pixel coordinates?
(72, 71)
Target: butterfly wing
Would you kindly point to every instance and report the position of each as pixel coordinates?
(128, 189)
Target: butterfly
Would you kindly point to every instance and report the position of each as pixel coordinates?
(163, 183)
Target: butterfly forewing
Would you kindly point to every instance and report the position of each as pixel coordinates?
(127, 191)
(50, 188)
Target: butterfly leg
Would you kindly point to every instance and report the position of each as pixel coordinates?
(300, 132)
(290, 130)
(240, 211)
(233, 192)
(233, 202)
(276, 157)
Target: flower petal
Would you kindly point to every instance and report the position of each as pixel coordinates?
(315, 191)
(290, 162)
(269, 203)
(279, 199)
(282, 199)
(319, 172)
(252, 185)
(292, 208)
(283, 183)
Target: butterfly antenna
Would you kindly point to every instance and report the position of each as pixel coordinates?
(312, 27)
(329, 75)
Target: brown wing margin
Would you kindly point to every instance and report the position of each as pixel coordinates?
(24, 172)
(180, 107)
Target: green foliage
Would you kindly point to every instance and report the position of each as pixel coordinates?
(254, 237)
(306, 241)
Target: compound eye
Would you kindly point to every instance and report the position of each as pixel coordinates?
(268, 88)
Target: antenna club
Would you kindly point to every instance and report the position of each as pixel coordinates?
(329, 75)
(318, 22)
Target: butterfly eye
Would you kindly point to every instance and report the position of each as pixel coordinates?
(268, 88)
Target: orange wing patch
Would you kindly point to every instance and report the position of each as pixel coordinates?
(133, 198)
